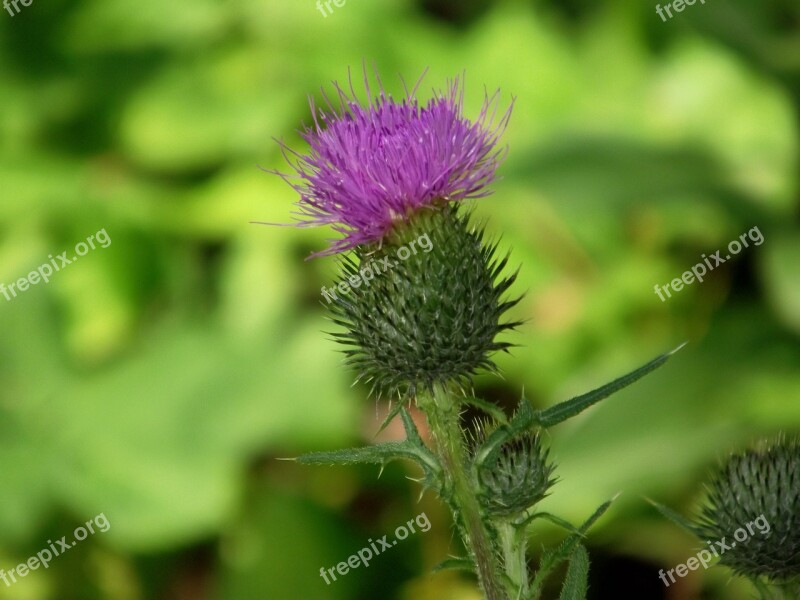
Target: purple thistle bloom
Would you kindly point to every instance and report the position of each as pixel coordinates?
(370, 167)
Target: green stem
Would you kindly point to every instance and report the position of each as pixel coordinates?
(514, 557)
(443, 417)
(777, 591)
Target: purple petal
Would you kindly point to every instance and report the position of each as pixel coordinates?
(370, 167)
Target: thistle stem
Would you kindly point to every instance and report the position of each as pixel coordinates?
(443, 417)
(514, 557)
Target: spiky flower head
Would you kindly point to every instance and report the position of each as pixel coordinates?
(518, 478)
(760, 488)
(370, 167)
(428, 307)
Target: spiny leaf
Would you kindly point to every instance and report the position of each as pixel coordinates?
(552, 558)
(390, 417)
(413, 448)
(491, 409)
(460, 564)
(522, 421)
(676, 518)
(549, 517)
(569, 408)
(412, 433)
(576, 583)
(377, 454)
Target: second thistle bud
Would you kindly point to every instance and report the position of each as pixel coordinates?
(519, 477)
(759, 486)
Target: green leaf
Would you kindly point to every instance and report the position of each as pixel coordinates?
(377, 454)
(522, 421)
(460, 564)
(552, 558)
(552, 518)
(412, 433)
(491, 409)
(413, 449)
(679, 520)
(390, 417)
(576, 583)
(565, 410)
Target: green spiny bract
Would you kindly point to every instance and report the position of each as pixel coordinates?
(430, 319)
(518, 479)
(764, 481)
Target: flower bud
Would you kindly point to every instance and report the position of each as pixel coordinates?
(758, 492)
(431, 309)
(518, 479)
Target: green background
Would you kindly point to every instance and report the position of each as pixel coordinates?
(157, 380)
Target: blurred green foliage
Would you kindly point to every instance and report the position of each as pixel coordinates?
(157, 380)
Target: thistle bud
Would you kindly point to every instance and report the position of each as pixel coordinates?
(430, 305)
(758, 492)
(519, 478)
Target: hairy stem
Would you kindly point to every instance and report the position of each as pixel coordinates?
(443, 417)
(513, 544)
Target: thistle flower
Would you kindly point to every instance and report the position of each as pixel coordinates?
(370, 167)
(384, 175)
(763, 483)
